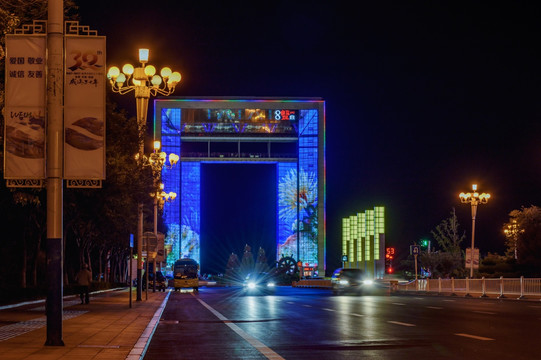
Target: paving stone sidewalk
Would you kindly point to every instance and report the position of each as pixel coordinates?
(107, 328)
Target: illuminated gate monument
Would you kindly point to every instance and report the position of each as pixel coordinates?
(288, 133)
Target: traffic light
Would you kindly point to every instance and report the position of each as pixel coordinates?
(389, 256)
(425, 244)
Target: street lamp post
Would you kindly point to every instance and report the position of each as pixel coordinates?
(157, 161)
(144, 83)
(474, 199)
(511, 233)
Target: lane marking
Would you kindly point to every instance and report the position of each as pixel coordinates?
(327, 309)
(434, 307)
(401, 323)
(485, 312)
(400, 304)
(262, 348)
(448, 300)
(475, 337)
(358, 315)
(306, 305)
(290, 302)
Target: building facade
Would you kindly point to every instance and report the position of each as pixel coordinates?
(363, 241)
(288, 133)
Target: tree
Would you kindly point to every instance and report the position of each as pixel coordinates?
(447, 235)
(448, 261)
(528, 244)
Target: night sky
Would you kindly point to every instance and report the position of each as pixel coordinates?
(423, 98)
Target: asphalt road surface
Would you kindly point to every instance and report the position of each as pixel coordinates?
(292, 323)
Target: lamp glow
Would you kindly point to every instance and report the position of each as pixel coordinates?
(127, 69)
(150, 70)
(143, 55)
(166, 72)
(113, 72)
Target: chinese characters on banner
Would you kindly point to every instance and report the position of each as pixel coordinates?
(25, 99)
(84, 107)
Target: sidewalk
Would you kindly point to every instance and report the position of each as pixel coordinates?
(105, 329)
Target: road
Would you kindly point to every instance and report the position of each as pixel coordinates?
(222, 323)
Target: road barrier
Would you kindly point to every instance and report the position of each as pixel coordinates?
(312, 283)
(499, 287)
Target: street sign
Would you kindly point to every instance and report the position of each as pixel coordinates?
(475, 258)
(131, 240)
(415, 249)
(344, 258)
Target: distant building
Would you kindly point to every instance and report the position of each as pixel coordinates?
(363, 241)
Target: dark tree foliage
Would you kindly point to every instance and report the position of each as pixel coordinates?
(528, 220)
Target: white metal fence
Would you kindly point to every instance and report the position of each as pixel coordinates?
(500, 287)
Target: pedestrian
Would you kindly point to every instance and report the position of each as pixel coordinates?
(84, 279)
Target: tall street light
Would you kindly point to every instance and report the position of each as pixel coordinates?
(157, 161)
(474, 199)
(144, 82)
(512, 232)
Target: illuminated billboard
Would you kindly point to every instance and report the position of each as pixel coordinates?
(288, 133)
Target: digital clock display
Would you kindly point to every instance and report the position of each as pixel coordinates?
(290, 115)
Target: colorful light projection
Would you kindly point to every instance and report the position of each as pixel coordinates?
(298, 185)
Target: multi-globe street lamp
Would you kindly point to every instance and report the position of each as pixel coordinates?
(144, 82)
(474, 199)
(511, 233)
(157, 161)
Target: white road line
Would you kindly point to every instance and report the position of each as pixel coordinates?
(262, 348)
(290, 302)
(400, 323)
(475, 337)
(434, 307)
(401, 304)
(306, 305)
(485, 312)
(358, 315)
(448, 300)
(327, 309)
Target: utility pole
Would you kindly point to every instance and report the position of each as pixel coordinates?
(54, 175)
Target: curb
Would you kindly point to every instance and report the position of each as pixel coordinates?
(139, 350)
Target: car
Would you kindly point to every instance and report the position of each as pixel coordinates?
(351, 280)
(161, 281)
(259, 283)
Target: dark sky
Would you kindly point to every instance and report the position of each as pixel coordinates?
(423, 98)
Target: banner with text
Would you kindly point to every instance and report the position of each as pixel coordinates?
(84, 107)
(25, 107)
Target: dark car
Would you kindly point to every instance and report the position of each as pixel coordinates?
(351, 280)
(259, 283)
(161, 281)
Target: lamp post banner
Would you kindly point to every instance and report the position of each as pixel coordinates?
(84, 107)
(25, 99)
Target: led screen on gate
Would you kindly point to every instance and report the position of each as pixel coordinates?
(286, 133)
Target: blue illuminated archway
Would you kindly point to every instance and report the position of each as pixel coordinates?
(289, 133)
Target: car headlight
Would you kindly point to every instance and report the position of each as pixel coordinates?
(368, 282)
(344, 282)
(251, 285)
(270, 284)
